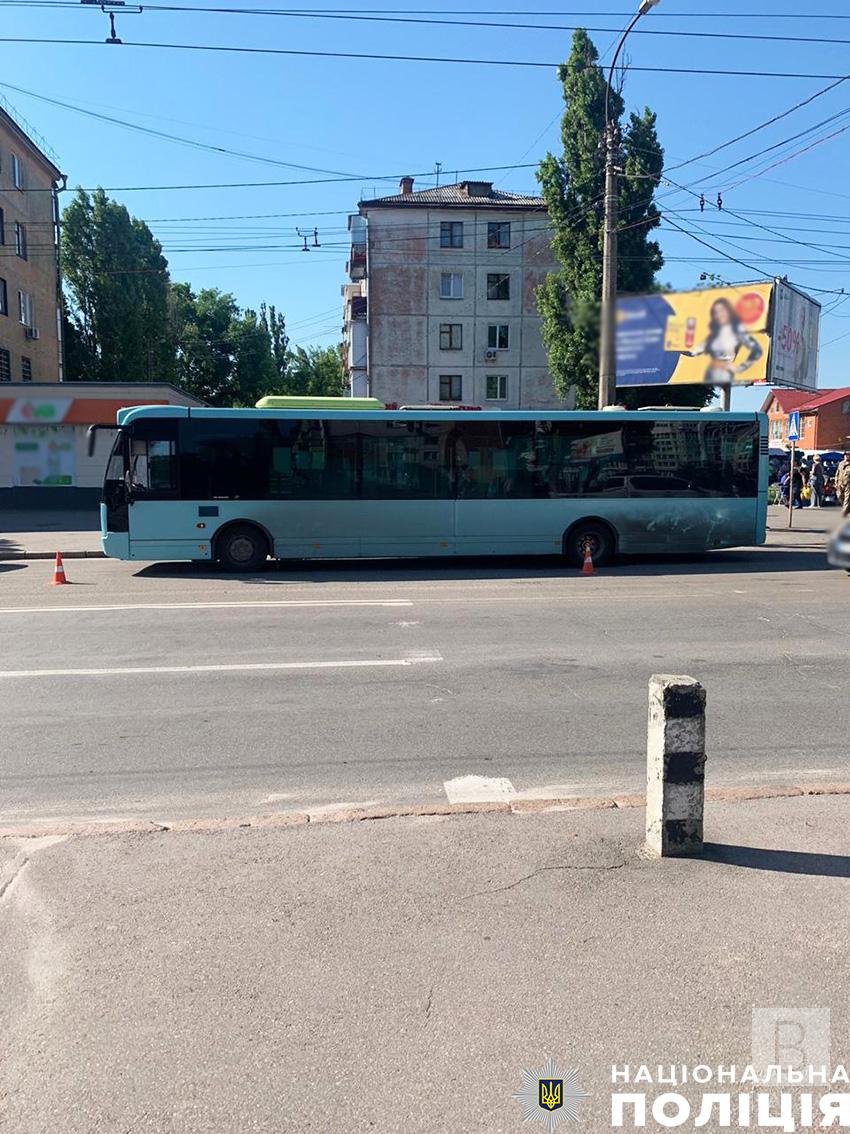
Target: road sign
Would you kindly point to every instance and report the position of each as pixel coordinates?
(794, 425)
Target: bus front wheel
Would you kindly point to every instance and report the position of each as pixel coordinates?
(242, 548)
(589, 534)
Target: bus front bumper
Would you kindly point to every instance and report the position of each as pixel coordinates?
(116, 545)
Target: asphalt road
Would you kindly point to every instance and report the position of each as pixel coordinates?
(162, 691)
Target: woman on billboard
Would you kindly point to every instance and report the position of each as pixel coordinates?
(726, 338)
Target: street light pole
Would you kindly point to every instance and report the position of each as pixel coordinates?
(608, 328)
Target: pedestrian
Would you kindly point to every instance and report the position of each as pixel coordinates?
(842, 483)
(817, 483)
(784, 485)
(796, 488)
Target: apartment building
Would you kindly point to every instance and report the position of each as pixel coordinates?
(30, 326)
(440, 303)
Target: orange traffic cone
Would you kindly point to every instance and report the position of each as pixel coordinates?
(58, 571)
(587, 566)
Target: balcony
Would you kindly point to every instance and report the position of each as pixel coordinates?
(356, 266)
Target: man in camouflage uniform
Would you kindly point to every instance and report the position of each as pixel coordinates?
(842, 483)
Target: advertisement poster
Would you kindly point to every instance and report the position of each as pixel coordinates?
(794, 339)
(42, 457)
(716, 337)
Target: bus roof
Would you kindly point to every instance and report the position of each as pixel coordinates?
(135, 413)
(289, 401)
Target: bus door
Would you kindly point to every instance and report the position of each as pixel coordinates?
(160, 523)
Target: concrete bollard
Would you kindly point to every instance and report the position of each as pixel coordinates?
(675, 766)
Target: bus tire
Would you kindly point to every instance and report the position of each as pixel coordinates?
(599, 536)
(242, 547)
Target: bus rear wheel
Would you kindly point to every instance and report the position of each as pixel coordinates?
(593, 535)
(242, 548)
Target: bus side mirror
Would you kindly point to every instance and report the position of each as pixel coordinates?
(91, 437)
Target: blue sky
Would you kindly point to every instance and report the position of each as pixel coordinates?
(370, 118)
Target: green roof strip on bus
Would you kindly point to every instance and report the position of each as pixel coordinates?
(274, 401)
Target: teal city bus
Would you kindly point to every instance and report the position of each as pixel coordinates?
(239, 486)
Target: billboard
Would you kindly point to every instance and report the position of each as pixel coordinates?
(717, 337)
(795, 324)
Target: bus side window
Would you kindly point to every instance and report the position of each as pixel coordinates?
(153, 467)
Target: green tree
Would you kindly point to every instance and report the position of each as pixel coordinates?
(572, 185)
(223, 355)
(275, 325)
(116, 284)
(202, 326)
(316, 371)
(255, 372)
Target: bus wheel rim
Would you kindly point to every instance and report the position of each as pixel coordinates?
(242, 549)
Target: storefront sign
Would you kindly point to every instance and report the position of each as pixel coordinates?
(38, 411)
(42, 457)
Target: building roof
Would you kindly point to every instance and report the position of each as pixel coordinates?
(34, 142)
(825, 398)
(786, 400)
(463, 195)
(804, 400)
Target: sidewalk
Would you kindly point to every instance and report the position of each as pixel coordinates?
(398, 974)
(40, 534)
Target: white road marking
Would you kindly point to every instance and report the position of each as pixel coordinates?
(478, 789)
(246, 667)
(201, 605)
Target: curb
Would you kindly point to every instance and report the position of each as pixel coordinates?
(362, 814)
(7, 556)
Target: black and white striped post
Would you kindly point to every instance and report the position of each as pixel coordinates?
(675, 766)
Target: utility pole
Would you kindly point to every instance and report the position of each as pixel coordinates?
(608, 324)
(608, 327)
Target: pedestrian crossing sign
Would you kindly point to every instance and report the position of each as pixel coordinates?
(794, 425)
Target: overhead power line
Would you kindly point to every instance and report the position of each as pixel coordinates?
(762, 125)
(663, 15)
(439, 19)
(387, 57)
(168, 137)
(365, 179)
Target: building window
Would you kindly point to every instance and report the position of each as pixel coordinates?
(25, 308)
(4, 298)
(451, 285)
(499, 234)
(2, 228)
(451, 387)
(776, 429)
(845, 407)
(20, 240)
(497, 387)
(498, 285)
(451, 234)
(451, 336)
(26, 369)
(17, 172)
(5, 366)
(498, 336)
